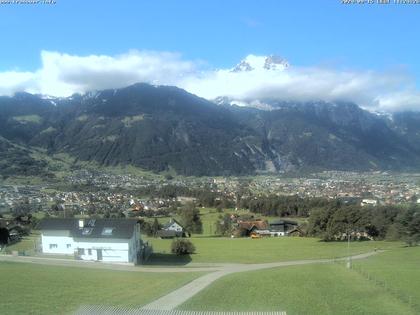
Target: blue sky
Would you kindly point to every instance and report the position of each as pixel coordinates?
(218, 34)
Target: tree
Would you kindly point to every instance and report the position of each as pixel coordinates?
(182, 247)
(4, 236)
(155, 227)
(410, 223)
(190, 219)
(318, 220)
(22, 208)
(347, 220)
(146, 228)
(224, 225)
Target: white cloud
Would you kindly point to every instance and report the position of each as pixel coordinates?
(371, 90)
(62, 74)
(14, 81)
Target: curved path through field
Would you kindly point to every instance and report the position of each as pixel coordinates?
(182, 294)
(179, 296)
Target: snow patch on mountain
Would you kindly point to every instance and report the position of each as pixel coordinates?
(261, 63)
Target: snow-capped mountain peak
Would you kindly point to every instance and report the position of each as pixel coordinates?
(253, 62)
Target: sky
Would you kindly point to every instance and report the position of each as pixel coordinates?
(366, 53)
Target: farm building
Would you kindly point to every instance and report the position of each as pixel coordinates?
(260, 228)
(282, 227)
(247, 228)
(172, 229)
(108, 240)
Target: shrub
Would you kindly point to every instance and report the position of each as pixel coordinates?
(182, 247)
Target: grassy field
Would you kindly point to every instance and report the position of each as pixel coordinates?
(300, 290)
(36, 289)
(246, 250)
(397, 270)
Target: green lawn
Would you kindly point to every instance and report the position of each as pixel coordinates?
(312, 289)
(397, 270)
(36, 289)
(246, 250)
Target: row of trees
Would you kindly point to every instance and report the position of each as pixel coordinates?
(382, 222)
(283, 206)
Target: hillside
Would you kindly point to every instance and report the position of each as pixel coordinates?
(161, 128)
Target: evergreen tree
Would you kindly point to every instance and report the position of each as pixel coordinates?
(190, 219)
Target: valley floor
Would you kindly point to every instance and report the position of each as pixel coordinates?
(379, 283)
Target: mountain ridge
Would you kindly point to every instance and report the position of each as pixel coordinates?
(161, 128)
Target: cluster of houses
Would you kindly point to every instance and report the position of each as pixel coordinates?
(242, 228)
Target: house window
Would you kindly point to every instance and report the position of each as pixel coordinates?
(89, 251)
(52, 246)
(87, 231)
(107, 231)
(68, 245)
(80, 251)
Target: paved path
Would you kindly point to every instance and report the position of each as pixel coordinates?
(179, 296)
(102, 265)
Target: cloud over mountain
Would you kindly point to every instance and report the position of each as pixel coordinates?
(254, 78)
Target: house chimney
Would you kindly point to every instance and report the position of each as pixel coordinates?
(81, 223)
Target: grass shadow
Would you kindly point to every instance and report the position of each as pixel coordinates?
(168, 259)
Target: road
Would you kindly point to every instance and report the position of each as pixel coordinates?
(179, 296)
(182, 294)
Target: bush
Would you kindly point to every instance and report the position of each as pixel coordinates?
(182, 247)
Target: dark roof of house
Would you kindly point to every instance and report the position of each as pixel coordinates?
(283, 222)
(249, 225)
(93, 228)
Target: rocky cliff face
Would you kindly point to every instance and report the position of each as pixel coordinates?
(160, 128)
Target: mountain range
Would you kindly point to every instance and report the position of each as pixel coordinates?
(164, 128)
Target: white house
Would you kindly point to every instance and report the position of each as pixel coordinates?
(369, 202)
(108, 240)
(173, 225)
(172, 229)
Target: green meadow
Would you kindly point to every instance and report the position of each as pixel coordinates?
(398, 271)
(247, 250)
(321, 288)
(36, 289)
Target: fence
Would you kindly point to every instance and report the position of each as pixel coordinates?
(405, 298)
(108, 310)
